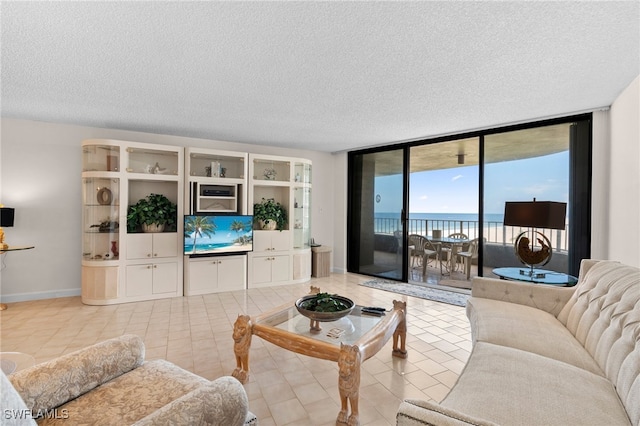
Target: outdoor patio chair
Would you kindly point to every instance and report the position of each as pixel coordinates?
(448, 250)
(422, 250)
(468, 256)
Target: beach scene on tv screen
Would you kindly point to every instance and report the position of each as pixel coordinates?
(217, 234)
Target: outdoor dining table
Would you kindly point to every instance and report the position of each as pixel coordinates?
(454, 244)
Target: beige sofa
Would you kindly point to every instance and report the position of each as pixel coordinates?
(110, 384)
(545, 355)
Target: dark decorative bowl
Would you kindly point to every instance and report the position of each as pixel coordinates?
(325, 316)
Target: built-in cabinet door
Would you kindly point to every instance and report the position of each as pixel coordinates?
(165, 278)
(203, 275)
(164, 245)
(271, 269)
(139, 246)
(302, 266)
(147, 246)
(232, 272)
(269, 241)
(262, 270)
(215, 274)
(280, 269)
(139, 280)
(280, 240)
(99, 283)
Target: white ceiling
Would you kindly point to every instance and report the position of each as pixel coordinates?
(325, 76)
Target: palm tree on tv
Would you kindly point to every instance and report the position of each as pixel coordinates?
(240, 226)
(199, 226)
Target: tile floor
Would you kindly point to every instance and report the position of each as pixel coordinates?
(284, 388)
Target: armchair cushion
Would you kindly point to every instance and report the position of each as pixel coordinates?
(109, 384)
(132, 396)
(51, 384)
(221, 402)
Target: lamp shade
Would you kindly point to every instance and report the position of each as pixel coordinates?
(535, 214)
(7, 215)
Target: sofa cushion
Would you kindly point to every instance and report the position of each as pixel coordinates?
(509, 386)
(526, 328)
(604, 316)
(132, 396)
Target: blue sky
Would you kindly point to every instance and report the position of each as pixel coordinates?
(456, 190)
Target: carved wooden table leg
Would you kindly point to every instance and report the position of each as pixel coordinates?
(242, 330)
(349, 384)
(400, 334)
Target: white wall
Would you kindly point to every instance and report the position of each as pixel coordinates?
(624, 187)
(40, 166)
(40, 176)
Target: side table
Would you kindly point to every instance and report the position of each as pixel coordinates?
(540, 276)
(320, 261)
(10, 362)
(3, 306)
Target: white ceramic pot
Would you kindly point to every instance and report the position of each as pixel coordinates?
(154, 227)
(268, 225)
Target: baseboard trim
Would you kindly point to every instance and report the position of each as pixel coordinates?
(25, 297)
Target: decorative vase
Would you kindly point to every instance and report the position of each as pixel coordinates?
(154, 227)
(114, 248)
(268, 225)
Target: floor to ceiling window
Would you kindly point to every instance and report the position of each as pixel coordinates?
(457, 187)
(525, 165)
(443, 197)
(376, 208)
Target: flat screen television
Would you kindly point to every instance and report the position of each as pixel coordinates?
(218, 234)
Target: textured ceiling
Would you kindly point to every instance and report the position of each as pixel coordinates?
(325, 76)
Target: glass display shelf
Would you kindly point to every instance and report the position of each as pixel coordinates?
(101, 158)
(302, 172)
(216, 166)
(271, 170)
(100, 221)
(301, 217)
(153, 162)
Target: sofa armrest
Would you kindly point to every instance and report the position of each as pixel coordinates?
(548, 298)
(50, 384)
(414, 412)
(222, 402)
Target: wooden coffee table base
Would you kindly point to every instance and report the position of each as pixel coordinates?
(348, 357)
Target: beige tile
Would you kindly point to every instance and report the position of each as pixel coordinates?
(284, 388)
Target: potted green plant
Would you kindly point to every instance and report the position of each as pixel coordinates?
(270, 214)
(153, 213)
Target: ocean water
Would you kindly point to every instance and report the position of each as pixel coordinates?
(424, 223)
(466, 217)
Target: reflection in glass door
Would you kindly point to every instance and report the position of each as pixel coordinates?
(376, 214)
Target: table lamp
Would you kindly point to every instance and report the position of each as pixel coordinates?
(534, 214)
(7, 215)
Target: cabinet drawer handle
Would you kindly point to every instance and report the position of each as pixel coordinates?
(148, 254)
(155, 266)
(155, 254)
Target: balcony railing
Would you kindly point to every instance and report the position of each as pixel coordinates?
(494, 232)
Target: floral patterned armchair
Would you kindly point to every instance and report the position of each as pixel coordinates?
(109, 383)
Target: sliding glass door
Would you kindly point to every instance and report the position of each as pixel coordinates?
(377, 214)
(443, 199)
(525, 165)
(459, 185)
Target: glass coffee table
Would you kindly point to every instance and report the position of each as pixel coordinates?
(349, 341)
